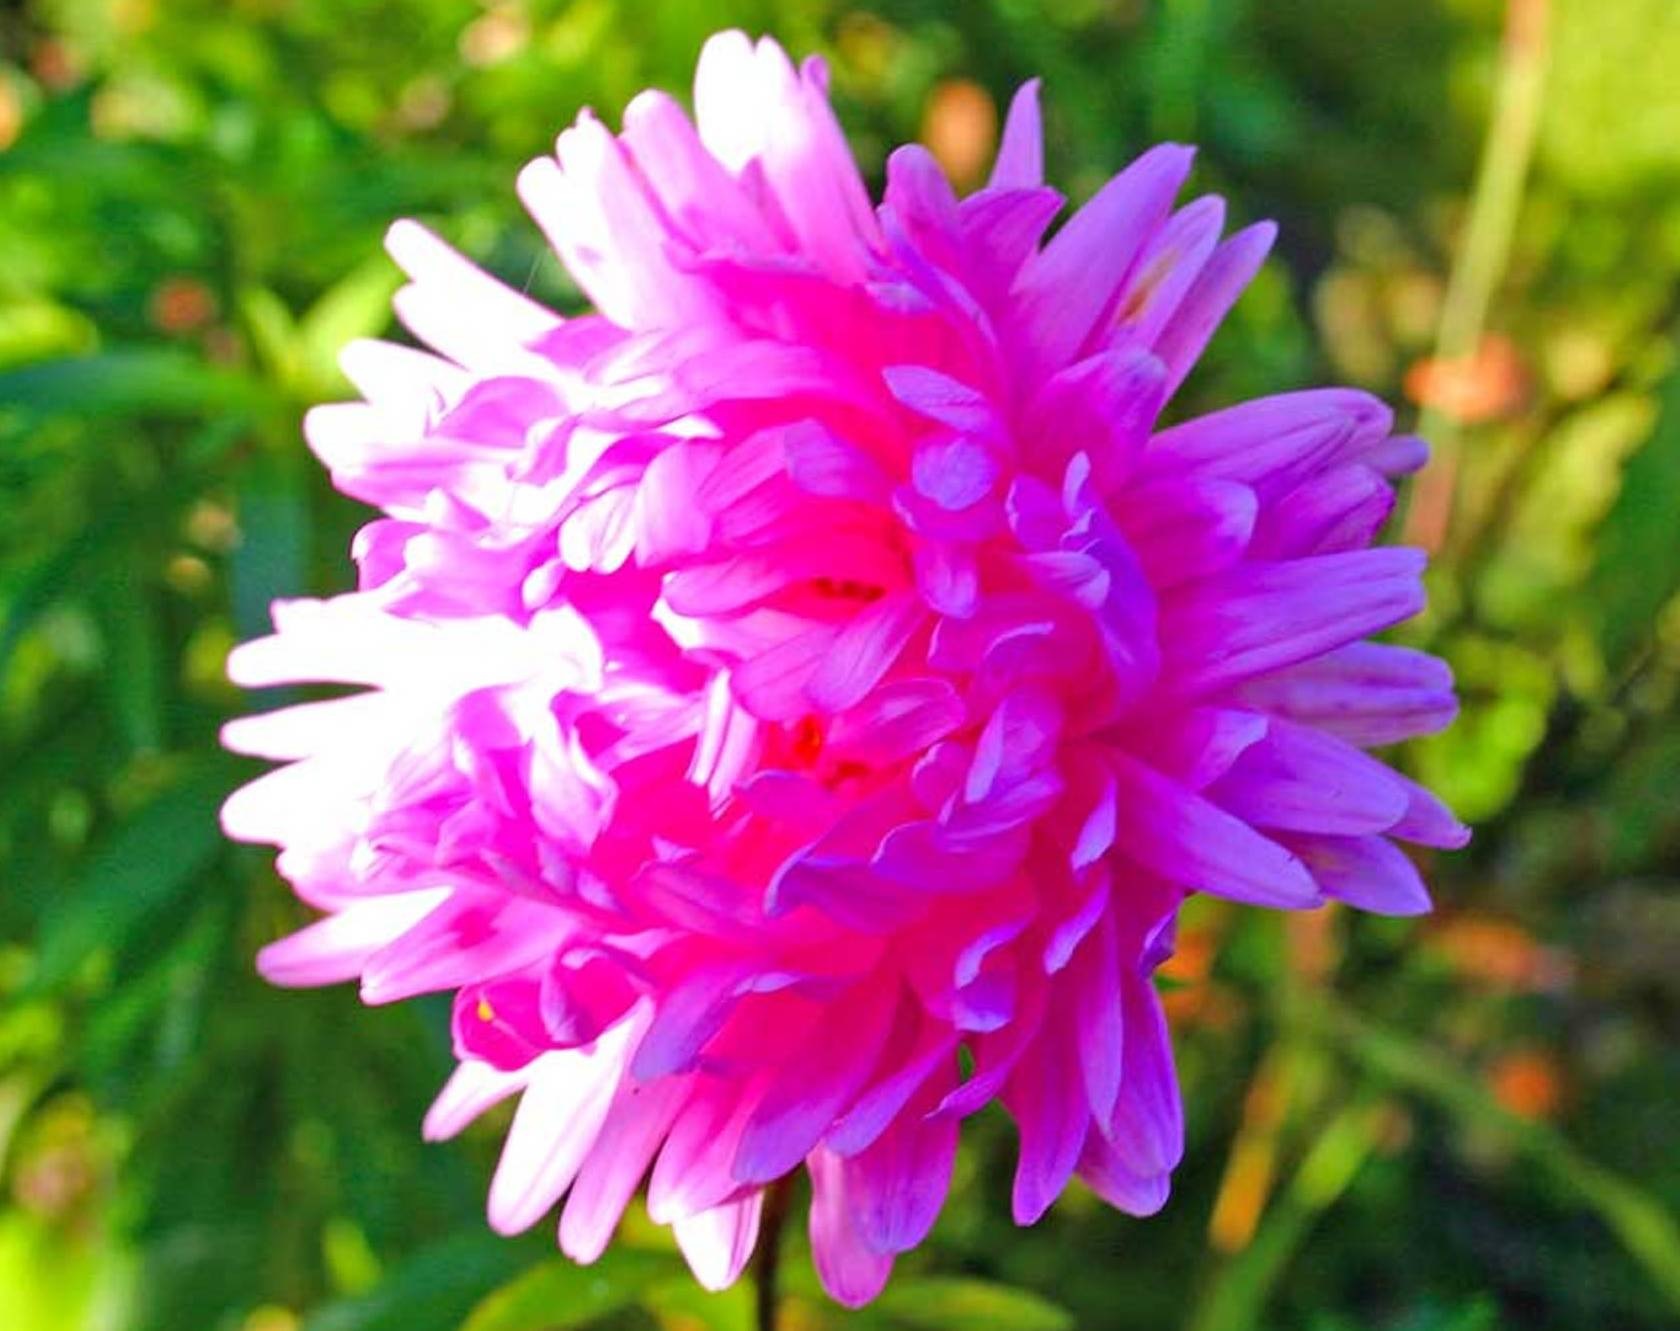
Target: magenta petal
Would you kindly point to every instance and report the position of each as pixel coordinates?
(851, 1271)
(863, 651)
(1020, 159)
(1110, 1178)
(1050, 1109)
(1231, 268)
(1147, 1130)
(1185, 838)
(821, 463)
(897, 1184)
(772, 684)
(811, 1089)
(1301, 780)
(913, 1057)
(692, 1172)
(1369, 872)
(688, 1016)
(1070, 288)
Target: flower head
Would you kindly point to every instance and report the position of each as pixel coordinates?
(800, 694)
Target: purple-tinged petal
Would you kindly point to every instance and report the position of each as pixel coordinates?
(1071, 288)
(863, 651)
(1049, 1104)
(1230, 269)
(810, 1090)
(1300, 780)
(1171, 831)
(896, 1185)
(1264, 617)
(1147, 1130)
(851, 1271)
(1367, 693)
(1368, 872)
(1020, 158)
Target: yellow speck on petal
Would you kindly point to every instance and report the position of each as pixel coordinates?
(485, 1011)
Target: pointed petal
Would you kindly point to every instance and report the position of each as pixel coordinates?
(850, 1271)
(718, 1243)
(1020, 158)
(557, 1122)
(1189, 840)
(1070, 289)
(863, 651)
(1371, 873)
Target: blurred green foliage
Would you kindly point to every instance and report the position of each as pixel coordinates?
(1459, 1124)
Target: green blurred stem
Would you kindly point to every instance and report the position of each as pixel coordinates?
(1239, 1293)
(1645, 1228)
(1182, 34)
(767, 1265)
(1495, 204)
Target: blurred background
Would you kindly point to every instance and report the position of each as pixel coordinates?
(1456, 1124)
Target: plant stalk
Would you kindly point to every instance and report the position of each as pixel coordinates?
(767, 1264)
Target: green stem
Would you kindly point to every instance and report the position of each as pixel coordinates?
(1645, 1228)
(767, 1264)
(1495, 204)
(1238, 1294)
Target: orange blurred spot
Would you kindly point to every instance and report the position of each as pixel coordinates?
(1313, 947)
(1498, 953)
(1242, 1197)
(960, 128)
(11, 114)
(1253, 1163)
(57, 64)
(1528, 1082)
(181, 305)
(494, 37)
(1489, 383)
(424, 103)
(1192, 956)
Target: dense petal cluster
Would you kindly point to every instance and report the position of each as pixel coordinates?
(800, 694)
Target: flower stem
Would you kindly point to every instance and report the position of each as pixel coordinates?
(767, 1264)
(1486, 246)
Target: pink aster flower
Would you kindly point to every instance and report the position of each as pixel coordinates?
(800, 694)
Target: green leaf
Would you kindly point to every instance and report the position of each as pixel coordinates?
(560, 1294)
(42, 587)
(680, 1303)
(128, 382)
(272, 556)
(960, 1304)
(357, 305)
(1645, 1227)
(428, 1292)
(1638, 566)
(134, 669)
(142, 869)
